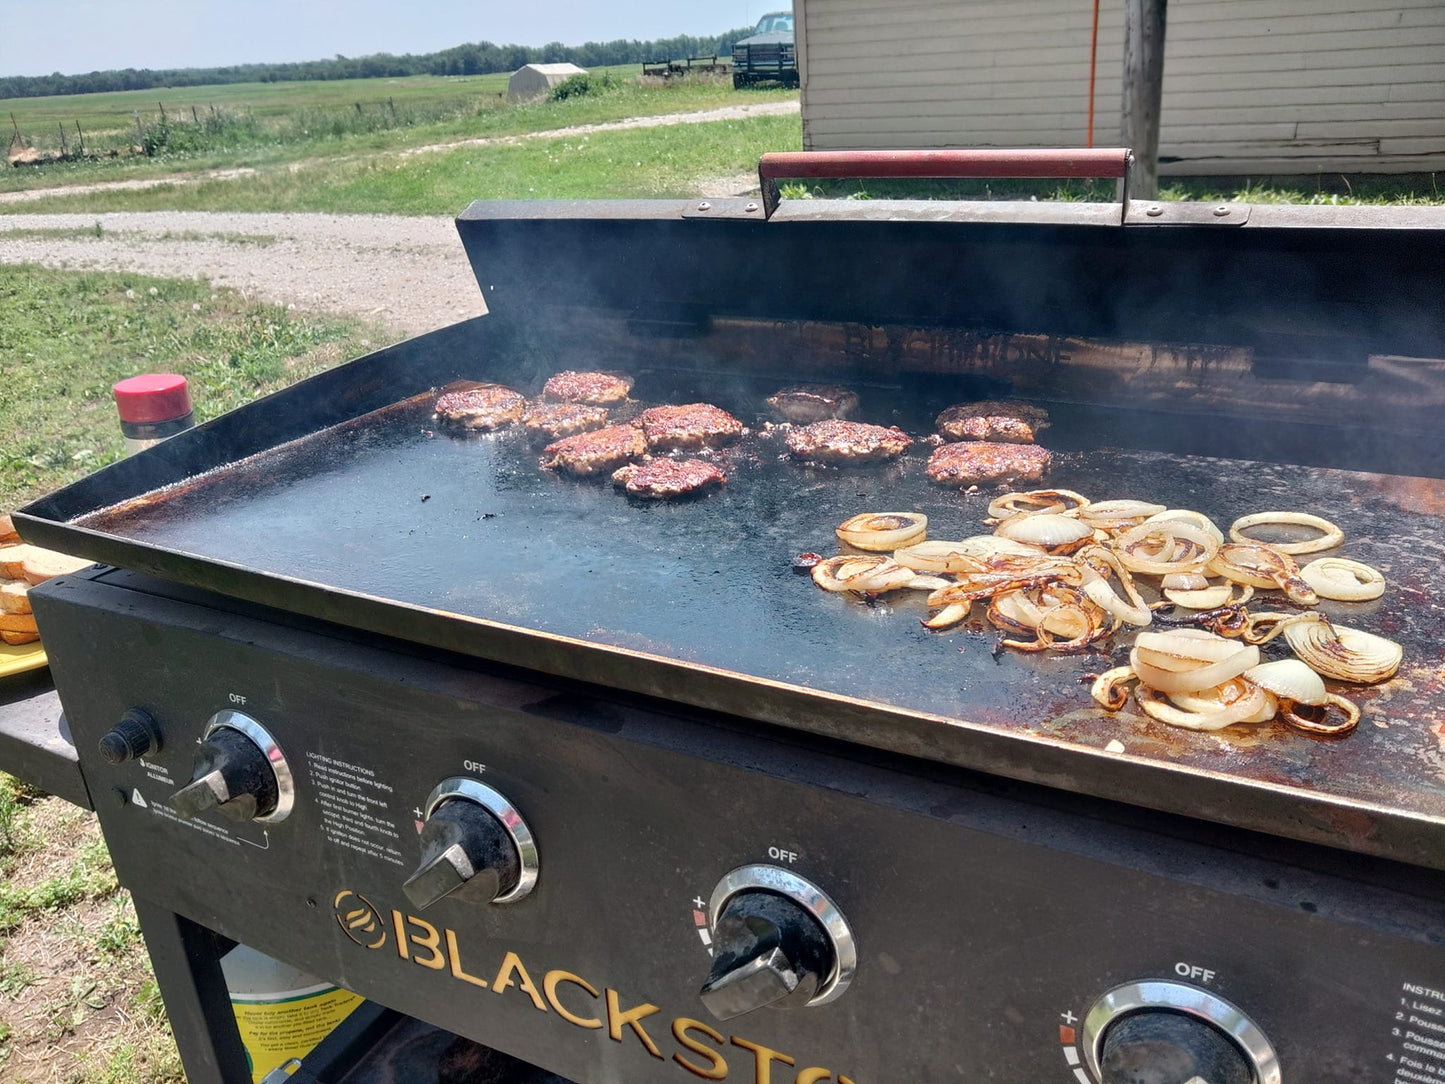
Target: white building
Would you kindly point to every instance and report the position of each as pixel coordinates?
(1250, 86)
(535, 80)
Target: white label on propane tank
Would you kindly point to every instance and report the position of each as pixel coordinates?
(1418, 1031)
(355, 807)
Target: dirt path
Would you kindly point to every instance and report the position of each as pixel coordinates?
(732, 112)
(410, 273)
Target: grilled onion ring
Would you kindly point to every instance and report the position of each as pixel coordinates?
(1108, 688)
(1343, 579)
(1330, 537)
(882, 532)
(1300, 722)
(1157, 707)
(1036, 502)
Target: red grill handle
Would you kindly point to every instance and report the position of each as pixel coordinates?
(1079, 162)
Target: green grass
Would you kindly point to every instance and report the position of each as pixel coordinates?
(1327, 189)
(644, 162)
(68, 336)
(295, 127)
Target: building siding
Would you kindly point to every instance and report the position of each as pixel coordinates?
(1250, 86)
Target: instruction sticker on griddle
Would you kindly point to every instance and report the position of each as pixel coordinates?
(355, 807)
(1419, 1032)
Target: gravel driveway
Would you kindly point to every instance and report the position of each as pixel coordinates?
(410, 273)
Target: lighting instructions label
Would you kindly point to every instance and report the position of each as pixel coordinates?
(355, 808)
(1419, 1034)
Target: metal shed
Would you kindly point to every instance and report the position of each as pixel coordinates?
(535, 80)
(1273, 86)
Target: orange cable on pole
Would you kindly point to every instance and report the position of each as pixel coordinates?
(1093, 65)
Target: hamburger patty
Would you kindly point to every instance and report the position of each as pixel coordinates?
(663, 479)
(835, 441)
(490, 406)
(598, 388)
(1009, 422)
(970, 463)
(695, 425)
(597, 451)
(804, 403)
(553, 421)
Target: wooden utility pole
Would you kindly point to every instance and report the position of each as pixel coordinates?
(1143, 89)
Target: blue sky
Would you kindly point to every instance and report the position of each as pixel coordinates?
(74, 36)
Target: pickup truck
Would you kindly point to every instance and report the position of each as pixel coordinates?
(768, 54)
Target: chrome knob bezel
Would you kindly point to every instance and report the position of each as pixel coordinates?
(499, 807)
(239, 721)
(1181, 998)
(813, 900)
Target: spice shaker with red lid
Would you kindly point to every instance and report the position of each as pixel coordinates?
(152, 406)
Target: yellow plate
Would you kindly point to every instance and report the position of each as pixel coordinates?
(17, 658)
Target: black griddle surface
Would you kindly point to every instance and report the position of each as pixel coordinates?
(388, 507)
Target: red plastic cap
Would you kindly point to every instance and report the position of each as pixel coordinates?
(152, 397)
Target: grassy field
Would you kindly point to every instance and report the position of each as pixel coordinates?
(77, 1002)
(67, 337)
(431, 112)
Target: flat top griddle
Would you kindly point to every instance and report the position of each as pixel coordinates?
(464, 542)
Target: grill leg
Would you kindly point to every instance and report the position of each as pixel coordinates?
(187, 961)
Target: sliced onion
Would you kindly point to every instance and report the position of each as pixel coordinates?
(1155, 706)
(1199, 676)
(882, 532)
(1343, 579)
(1165, 546)
(1210, 598)
(1187, 645)
(1108, 688)
(1330, 537)
(927, 583)
(1348, 707)
(1185, 581)
(873, 575)
(1344, 654)
(966, 555)
(949, 616)
(1262, 565)
(1225, 695)
(1036, 502)
(1052, 532)
(1116, 514)
(1289, 679)
(1261, 628)
(1193, 518)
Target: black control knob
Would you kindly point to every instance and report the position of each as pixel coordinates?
(239, 771)
(767, 950)
(474, 847)
(134, 736)
(1162, 1047)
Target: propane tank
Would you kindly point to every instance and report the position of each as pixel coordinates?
(281, 1011)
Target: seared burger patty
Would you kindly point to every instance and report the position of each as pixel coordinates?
(804, 403)
(696, 425)
(1009, 422)
(597, 388)
(835, 441)
(489, 407)
(970, 463)
(597, 451)
(663, 479)
(553, 421)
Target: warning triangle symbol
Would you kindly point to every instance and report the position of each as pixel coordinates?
(135, 796)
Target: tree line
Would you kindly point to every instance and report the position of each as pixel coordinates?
(479, 58)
